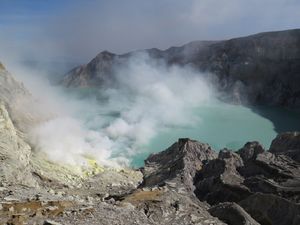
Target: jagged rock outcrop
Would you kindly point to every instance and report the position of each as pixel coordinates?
(95, 73)
(258, 69)
(250, 151)
(239, 179)
(220, 181)
(287, 144)
(177, 164)
(168, 175)
(232, 181)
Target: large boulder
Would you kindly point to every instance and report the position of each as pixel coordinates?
(250, 151)
(288, 144)
(220, 181)
(178, 164)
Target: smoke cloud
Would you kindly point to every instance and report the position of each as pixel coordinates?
(115, 123)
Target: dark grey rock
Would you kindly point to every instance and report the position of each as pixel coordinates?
(288, 144)
(250, 151)
(178, 164)
(270, 166)
(232, 214)
(219, 180)
(271, 209)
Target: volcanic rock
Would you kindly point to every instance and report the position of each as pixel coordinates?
(220, 181)
(271, 209)
(232, 214)
(178, 164)
(250, 151)
(287, 144)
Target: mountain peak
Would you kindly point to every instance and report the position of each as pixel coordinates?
(105, 53)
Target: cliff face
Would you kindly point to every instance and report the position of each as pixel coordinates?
(258, 69)
(14, 150)
(94, 73)
(265, 67)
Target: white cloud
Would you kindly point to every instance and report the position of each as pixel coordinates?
(84, 28)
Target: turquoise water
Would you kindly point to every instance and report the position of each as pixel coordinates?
(218, 124)
(224, 125)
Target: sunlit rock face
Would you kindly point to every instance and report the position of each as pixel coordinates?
(14, 153)
(258, 69)
(20, 161)
(16, 98)
(177, 164)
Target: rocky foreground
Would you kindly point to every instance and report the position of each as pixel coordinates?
(188, 183)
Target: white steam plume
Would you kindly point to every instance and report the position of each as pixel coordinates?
(148, 98)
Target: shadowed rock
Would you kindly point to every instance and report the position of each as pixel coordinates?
(288, 144)
(270, 209)
(219, 180)
(250, 151)
(232, 213)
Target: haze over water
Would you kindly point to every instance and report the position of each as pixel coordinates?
(219, 124)
(147, 110)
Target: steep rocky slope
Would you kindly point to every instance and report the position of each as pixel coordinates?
(20, 162)
(14, 150)
(258, 69)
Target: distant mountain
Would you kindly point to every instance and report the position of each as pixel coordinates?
(259, 69)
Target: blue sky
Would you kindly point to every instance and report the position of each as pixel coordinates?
(79, 29)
